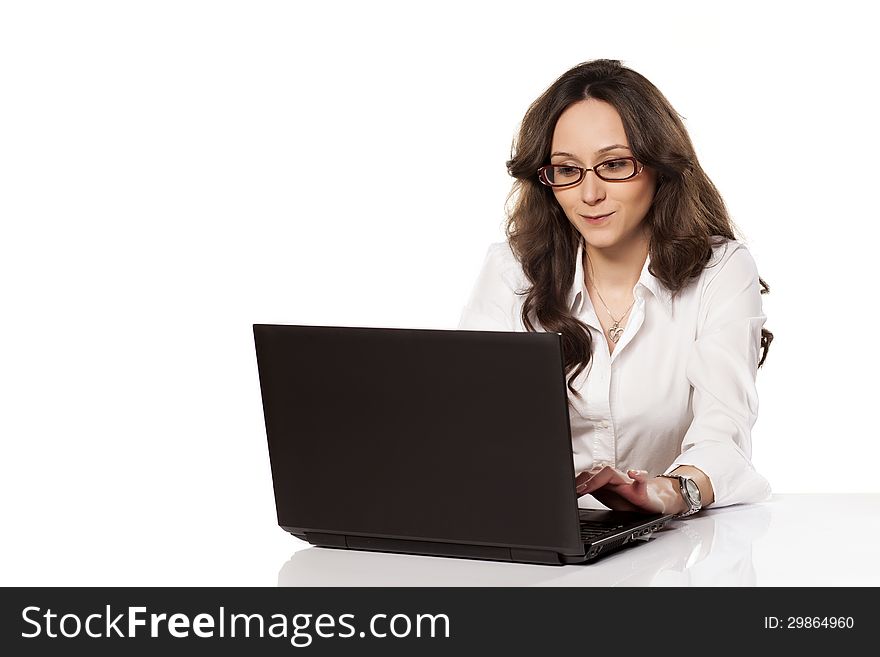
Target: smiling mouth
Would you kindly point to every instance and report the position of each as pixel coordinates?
(596, 218)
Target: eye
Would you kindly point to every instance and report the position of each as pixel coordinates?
(615, 165)
(566, 171)
(617, 169)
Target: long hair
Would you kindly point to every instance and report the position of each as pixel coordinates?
(687, 209)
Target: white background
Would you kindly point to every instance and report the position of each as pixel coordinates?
(160, 193)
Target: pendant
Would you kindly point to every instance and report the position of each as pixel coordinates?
(615, 332)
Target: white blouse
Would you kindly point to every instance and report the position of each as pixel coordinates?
(679, 387)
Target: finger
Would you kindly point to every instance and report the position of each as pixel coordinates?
(593, 479)
(602, 475)
(587, 475)
(616, 476)
(640, 476)
(607, 475)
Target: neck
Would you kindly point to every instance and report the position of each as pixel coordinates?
(617, 269)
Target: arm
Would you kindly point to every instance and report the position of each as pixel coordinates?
(721, 368)
(636, 490)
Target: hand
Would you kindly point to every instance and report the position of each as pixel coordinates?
(633, 490)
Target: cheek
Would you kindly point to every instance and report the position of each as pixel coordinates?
(639, 198)
(562, 200)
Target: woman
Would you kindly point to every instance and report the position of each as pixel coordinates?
(619, 241)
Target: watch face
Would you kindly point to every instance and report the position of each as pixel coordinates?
(692, 489)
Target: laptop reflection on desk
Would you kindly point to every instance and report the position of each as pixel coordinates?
(452, 443)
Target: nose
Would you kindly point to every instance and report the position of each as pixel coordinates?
(592, 189)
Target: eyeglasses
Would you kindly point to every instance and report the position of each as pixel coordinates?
(564, 175)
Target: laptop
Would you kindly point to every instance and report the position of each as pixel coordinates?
(451, 443)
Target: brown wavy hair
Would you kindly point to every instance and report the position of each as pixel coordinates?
(685, 214)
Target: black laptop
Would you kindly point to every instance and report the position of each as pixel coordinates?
(453, 443)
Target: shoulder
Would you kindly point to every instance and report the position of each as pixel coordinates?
(501, 254)
(494, 299)
(730, 288)
(502, 262)
(731, 261)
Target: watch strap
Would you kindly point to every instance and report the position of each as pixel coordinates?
(693, 505)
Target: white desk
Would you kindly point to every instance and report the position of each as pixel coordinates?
(793, 540)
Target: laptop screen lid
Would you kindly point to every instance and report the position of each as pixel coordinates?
(433, 435)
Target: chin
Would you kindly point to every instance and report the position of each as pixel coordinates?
(600, 238)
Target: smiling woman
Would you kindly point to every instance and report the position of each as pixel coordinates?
(620, 209)
(618, 240)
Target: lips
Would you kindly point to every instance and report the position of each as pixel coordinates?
(595, 219)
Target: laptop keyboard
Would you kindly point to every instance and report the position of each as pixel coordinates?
(591, 531)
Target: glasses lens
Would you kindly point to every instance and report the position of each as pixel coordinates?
(562, 175)
(616, 169)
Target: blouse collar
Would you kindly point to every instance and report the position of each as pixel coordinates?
(578, 292)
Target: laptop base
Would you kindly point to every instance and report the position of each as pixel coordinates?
(433, 549)
(637, 531)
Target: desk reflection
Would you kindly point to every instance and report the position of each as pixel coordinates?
(713, 548)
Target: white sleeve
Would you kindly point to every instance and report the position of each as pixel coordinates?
(722, 366)
(492, 301)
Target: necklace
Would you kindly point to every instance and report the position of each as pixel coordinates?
(615, 331)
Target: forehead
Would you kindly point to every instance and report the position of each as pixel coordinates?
(587, 126)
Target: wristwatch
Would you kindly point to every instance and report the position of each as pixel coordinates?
(690, 492)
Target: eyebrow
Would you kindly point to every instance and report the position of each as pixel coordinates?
(599, 152)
